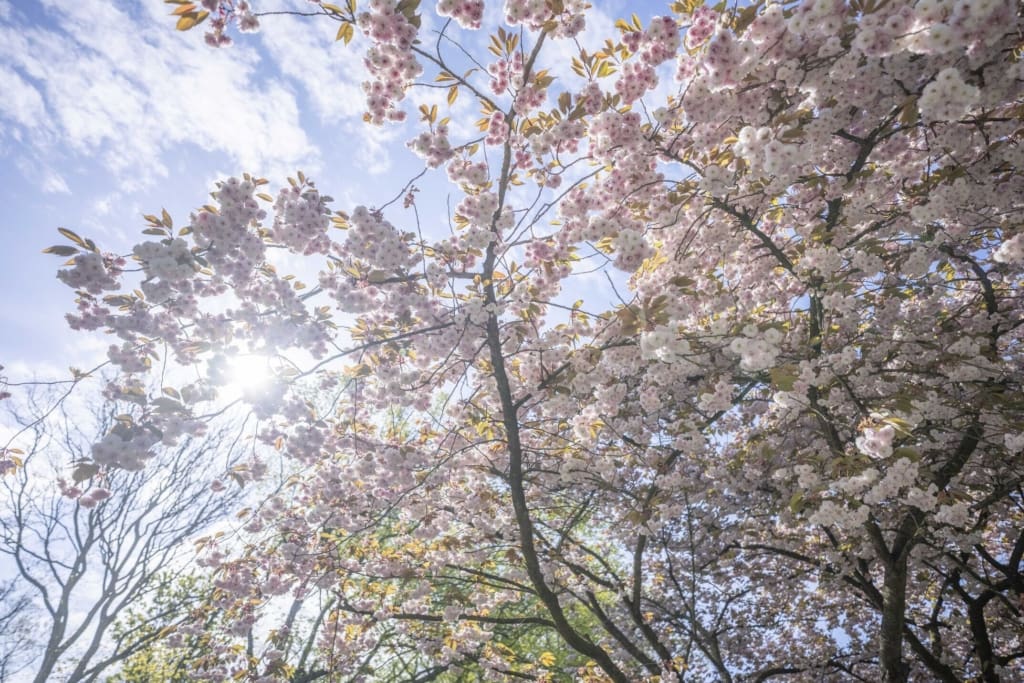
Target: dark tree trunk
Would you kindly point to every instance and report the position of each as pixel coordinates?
(894, 596)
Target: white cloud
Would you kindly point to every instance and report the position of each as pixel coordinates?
(331, 76)
(129, 90)
(42, 176)
(329, 72)
(54, 183)
(104, 205)
(21, 103)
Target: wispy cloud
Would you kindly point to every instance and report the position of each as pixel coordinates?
(330, 74)
(98, 80)
(53, 183)
(21, 104)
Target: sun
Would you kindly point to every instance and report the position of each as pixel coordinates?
(249, 372)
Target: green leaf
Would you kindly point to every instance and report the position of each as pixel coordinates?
(908, 452)
(784, 377)
(901, 425)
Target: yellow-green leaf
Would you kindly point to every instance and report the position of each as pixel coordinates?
(784, 377)
(73, 236)
(900, 424)
(61, 250)
(186, 22)
(345, 32)
(191, 20)
(908, 452)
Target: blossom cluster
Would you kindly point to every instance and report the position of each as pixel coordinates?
(497, 129)
(169, 260)
(433, 146)
(757, 350)
(468, 13)
(637, 78)
(876, 442)
(535, 13)
(506, 73)
(91, 272)
(727, 60)
(127, 449)
(660, 41)
(631, 248)
(375, 241)
(702, 26)
(948, 97)
(301, 220)
(390, 60)
(1010, 251)
(465, 172)
(228, 244)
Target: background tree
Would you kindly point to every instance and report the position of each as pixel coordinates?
(152, 622)
(792, 417)
(83, 556)
(16, 629)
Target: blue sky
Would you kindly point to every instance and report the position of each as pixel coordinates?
(107, 112)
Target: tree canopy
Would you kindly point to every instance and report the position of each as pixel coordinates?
(712, 370)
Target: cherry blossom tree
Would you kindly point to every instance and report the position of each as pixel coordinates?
(715, 373)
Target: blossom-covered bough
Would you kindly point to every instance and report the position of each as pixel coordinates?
(785, 444)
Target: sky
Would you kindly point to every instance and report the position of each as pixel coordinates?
(108, 113)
